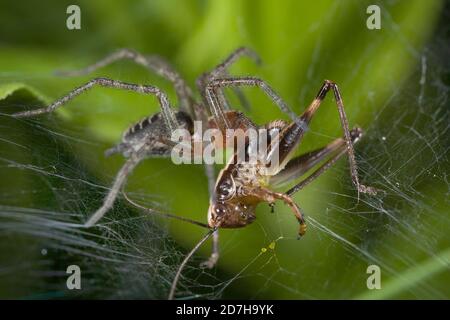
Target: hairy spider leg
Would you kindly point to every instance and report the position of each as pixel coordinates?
(216, 84)
(232, 58)
(212, 260)
(221, 71)
(153, 63)
(214, 257)
(308, 114)
(167, 111)
(237, 91)
(223, 101)
(119, 181)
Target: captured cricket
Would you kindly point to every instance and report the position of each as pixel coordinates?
(240, 186)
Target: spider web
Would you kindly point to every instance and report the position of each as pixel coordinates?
(47, 190)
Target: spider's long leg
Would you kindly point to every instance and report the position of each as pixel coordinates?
(119, 181)
(222, 101)
(167, 111)
(232, 58)
(241, 97)
(221, 71)
(298, 166)
(216, 84)
(214, 257)
(210, 263)
(211, 176)
(186, 259)
(153, 63)
(308, 114)
(237, 91)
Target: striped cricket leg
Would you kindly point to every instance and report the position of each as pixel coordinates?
(308, 114)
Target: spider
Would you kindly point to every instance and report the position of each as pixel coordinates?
(239, 187)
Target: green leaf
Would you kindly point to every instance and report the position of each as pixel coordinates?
(9, 89)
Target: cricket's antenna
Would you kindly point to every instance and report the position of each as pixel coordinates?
(186, 259)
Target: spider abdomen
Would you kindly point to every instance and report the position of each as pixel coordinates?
(150, 136)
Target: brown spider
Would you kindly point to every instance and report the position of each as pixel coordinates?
(239, 187)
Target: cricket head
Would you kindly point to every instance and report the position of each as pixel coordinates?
(230, 214)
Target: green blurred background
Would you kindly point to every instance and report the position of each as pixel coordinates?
(394, 83)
